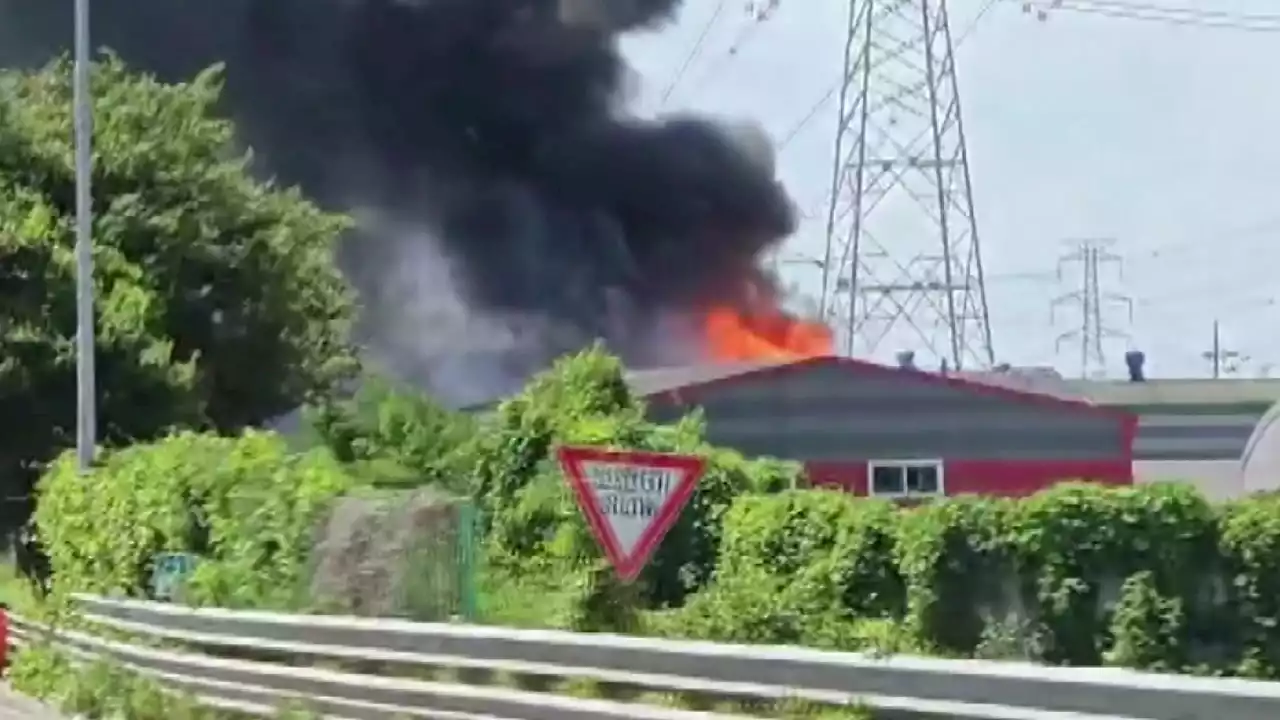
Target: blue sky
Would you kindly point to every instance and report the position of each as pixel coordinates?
(1161, 137)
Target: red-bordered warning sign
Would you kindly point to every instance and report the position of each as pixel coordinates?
(630, 498)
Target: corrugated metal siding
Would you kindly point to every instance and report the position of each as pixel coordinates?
(869, 441)
(983, 477)
(831, 413)
(1194, 437)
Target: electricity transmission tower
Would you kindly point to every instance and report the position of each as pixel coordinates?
(902, 269)
(1089, 299)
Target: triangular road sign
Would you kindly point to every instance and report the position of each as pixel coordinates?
(630, 498)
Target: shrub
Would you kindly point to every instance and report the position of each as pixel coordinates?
(1147, 628)
(954, 558)
(1078, 574)
(394, 436)
(582, 398)
(687, 558)
(1250, 553)
(1077, 543)
(1149, 576)
(756, 605)
(753, 605)
(533, 521)
(799, 566)
(247, 506)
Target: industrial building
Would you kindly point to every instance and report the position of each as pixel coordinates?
(897, 431)
(1008, 431)
(1220, 435)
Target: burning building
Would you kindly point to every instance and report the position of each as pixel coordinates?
(510, 209)
(898, 432)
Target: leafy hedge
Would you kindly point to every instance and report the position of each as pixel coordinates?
(393, 436)
(1149, 576)
(534, 527)
(247, 506)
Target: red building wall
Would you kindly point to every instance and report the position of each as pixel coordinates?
(984, 477)
(836, 414)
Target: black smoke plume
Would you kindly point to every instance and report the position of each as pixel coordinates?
(511, 207)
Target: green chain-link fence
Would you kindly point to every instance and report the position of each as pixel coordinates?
(440, 581)
(402, 554)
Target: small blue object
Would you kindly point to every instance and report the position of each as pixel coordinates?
(170, 571)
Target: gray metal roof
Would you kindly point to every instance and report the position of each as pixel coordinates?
(1182, 393)
(1152, 392)
(659, 380)
(1185, 392)
(1038, 380)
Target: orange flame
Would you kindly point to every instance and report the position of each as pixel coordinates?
(773, 335)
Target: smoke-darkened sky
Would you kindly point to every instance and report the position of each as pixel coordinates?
(485, 143)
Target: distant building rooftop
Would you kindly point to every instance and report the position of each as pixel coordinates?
(1187, 393)
(659, 380)
(1154, 392)
(1172, 396)
(1040, 380)
(1191, 395)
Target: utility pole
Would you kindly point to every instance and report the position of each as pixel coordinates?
(86, 368)
(1089, 299)
(1221, 360)
(902, 269)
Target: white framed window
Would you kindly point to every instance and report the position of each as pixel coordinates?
(905, 478)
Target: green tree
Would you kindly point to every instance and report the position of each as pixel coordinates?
(395, 436)
(218, 303)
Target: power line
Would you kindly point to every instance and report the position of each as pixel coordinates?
(834, 89)
(758, 16)
(1129, 5)
(1211, 19)
(1230, 282)
(808, 117)
(694, 52)
(1247, 289)
(1144, 12)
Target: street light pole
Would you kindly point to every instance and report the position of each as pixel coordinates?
(86, 380)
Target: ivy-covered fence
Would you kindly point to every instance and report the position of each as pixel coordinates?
(1149, 576)
(249, 522)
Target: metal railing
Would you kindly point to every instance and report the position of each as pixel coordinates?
(205, 651)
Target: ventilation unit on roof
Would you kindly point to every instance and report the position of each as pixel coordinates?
(907, 359)
(1135, 359)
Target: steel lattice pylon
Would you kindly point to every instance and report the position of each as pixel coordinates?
(903, 270)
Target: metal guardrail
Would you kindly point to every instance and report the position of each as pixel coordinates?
(212, 642)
